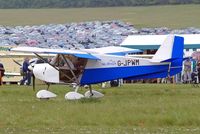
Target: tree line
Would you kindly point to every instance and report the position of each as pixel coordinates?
(87, 3)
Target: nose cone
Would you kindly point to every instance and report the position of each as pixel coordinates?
(32, 63)
(30, 67)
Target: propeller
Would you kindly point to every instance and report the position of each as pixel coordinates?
(33, 82)
(17, 62)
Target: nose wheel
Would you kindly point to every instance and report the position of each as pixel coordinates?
(45, 93)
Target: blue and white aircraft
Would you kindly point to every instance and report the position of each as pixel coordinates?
(91, 66)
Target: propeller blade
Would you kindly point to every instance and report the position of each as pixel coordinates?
(17, 62)
(33, 82)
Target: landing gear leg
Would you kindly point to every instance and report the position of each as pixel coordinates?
(48, 85)
(76, 88)
(92, 93)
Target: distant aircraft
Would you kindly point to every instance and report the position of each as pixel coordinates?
(91, 66)
(13, 56)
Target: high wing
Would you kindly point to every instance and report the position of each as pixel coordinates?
(76, 53)
(18, 55)
(84, 53)
(113, 50)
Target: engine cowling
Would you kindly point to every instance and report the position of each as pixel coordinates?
(46, 72)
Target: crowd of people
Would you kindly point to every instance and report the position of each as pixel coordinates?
(191, 71)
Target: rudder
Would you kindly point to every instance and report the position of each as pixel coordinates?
(171, 49)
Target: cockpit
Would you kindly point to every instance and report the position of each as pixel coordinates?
(70, 67)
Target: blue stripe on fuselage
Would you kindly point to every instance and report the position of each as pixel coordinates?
(162, 74)
(96, 75)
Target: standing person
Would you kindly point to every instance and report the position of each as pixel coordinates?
(2, 70)
(187, 71)
(198, 71)
(26, 72)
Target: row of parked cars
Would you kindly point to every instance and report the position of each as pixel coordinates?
(78, 35)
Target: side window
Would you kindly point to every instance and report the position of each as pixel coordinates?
(61, 62)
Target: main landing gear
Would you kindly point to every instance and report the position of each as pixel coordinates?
(74, 95)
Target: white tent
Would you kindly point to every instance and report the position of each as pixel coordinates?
(191, 41)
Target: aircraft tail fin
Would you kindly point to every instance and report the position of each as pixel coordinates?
(170, 50)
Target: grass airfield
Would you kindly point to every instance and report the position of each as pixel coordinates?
(136, 108)
(132, 108)
(171, 16)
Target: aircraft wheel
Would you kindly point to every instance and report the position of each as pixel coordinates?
(45, 94)
(94, 94)
(73, 96)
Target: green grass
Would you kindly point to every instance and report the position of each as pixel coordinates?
(136, 108)
(174, 16)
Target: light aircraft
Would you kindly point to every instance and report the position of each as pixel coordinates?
(91, 66)
(33, 60)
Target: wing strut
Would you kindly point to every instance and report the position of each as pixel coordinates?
(70, 69)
